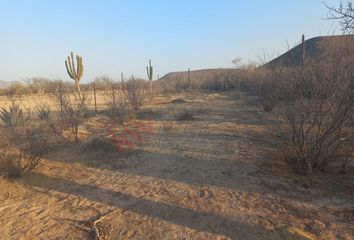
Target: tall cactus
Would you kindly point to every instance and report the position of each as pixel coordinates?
(122, 80)
(150, 73)
(75, 73)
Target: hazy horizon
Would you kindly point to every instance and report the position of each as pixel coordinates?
(114, 37)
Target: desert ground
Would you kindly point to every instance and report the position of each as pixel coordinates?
(215, 176)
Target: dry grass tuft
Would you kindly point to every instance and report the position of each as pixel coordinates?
(185, 115)
(100, 144)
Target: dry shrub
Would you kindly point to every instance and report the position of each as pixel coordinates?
(101, 144)
(45, 114)
(344, 13)
(13, 116)
(315, 106)
(124, 116)
(261, 87)
(114, 97)
(23, 144)
(184, 115)
(136, 92)
(224, 82)
(268, 95)
(71, 107)
(26, 147)
(73, 113)
(206, 80)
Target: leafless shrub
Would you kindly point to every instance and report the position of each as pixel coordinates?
(71, 107)
(102, 82)
(37, 85)
(22, 143)
(115, 98)
(26, 146)
(136, 92)
(316, 102)
(264, 85)
(15, 90)
(344, 13)
(74, 109)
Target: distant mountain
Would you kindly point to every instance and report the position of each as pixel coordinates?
(200, 74)
(6, 84)
(313, 48)
(291, 58)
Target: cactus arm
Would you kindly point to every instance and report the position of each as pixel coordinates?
(78, 67)
(149, 70)
(73, 65)
(72, 71)
(68, 68)
(81, 68)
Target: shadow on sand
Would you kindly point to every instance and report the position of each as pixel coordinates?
(200, 221)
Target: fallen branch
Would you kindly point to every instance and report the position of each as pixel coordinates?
(96, 228)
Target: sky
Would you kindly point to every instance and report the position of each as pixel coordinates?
(118, 36)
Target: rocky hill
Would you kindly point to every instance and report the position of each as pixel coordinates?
(313, 48)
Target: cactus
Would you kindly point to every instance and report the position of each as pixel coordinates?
(122, 80)
(75, 73)
(150, 72)
(122, 77)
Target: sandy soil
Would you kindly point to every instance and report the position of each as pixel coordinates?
(214, 177)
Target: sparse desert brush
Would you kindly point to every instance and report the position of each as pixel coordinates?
(23, 143)
(114, 96)
(136, 92)
(45, 114)
(262, 87)
(74, 112)
(13, 116)
(100, 144)
(72, 108)
(184, 115)
(15, 90)
(124, 116)
(25, 146)
(316, 102)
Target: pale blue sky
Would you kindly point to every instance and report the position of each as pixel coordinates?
(120, 36)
